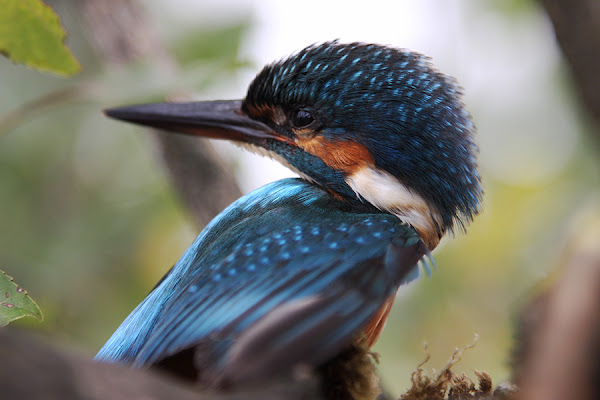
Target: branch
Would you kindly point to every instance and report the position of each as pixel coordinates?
(26, 111)
(32, 369)
(577, 28)
(558, 346)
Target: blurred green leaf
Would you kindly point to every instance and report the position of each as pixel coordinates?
(15, 303)
(515, 7)
(31, 34)
(221, 43)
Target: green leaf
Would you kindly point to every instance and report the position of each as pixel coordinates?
(31, 34)
(15, 303)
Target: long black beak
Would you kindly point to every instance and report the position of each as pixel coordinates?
(213, 119)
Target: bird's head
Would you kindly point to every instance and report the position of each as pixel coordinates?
(364, 121)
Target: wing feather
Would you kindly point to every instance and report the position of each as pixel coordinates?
(281, 277)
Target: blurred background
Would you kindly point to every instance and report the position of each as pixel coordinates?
(90, 220)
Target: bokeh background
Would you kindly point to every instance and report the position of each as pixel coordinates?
(90, 220)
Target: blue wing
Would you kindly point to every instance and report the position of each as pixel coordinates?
(285, 275)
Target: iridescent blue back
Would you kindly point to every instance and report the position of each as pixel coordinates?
(286, 254)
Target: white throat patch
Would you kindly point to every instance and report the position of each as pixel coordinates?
(385, 192)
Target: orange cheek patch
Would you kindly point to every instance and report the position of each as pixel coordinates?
(342, 155)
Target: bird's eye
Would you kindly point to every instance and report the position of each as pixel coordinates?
(302, 118)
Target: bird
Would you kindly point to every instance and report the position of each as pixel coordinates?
(299, 270)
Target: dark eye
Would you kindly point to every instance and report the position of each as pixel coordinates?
(302, 118)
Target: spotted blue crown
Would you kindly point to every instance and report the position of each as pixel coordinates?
(395, 103)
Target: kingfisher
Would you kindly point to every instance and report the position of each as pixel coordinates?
(297, 271)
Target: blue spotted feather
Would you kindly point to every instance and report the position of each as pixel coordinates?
(308, 262)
